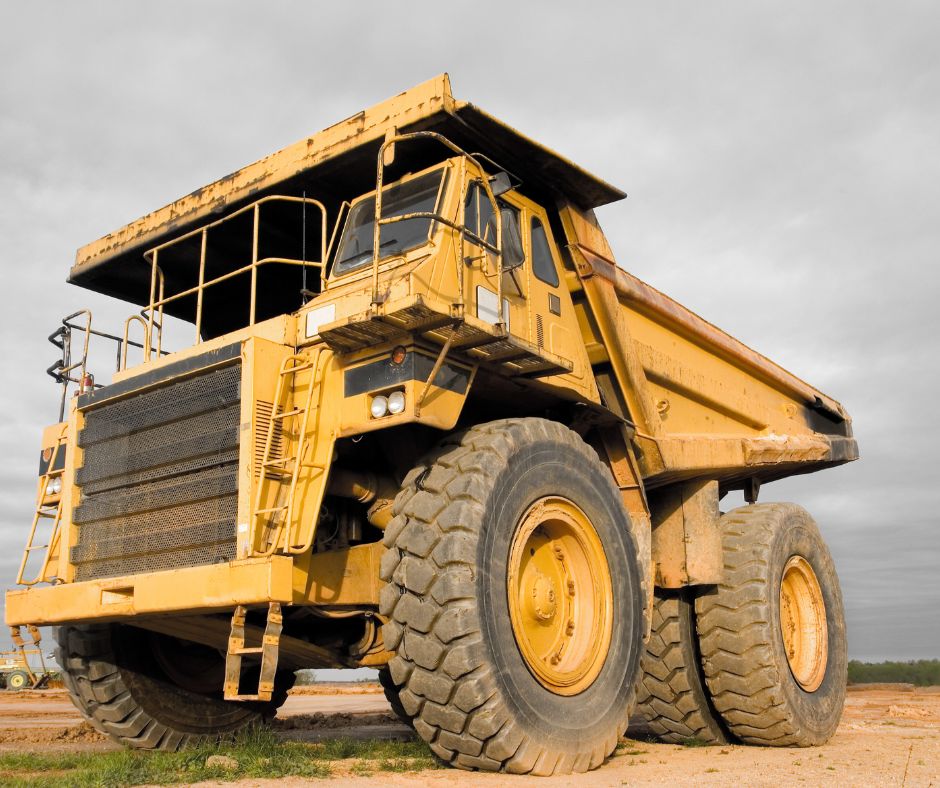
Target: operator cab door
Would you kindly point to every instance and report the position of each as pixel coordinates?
(480, 220)
(554, 326)
(535, 284)
(536, 305)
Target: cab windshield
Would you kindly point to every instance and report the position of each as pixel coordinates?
(415, 196)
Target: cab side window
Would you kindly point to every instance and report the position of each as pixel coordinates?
(543, 266)
(478, 214)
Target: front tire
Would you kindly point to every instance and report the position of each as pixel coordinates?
(153, 692)
(497, 660)
(772, 634)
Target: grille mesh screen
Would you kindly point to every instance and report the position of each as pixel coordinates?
(159, 478)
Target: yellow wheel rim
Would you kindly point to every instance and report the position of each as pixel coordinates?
(560, 595)
(803, 623)
(17, 682)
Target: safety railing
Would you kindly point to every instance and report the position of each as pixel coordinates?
(153, 314)
(459, 226)
(72, 369)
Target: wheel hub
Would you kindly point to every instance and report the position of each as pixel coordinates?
(560, 595)
(541, 598)
(803, 623)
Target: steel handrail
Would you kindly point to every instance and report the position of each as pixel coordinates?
(158, 298)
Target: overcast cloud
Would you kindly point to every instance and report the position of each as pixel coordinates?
(782, 162)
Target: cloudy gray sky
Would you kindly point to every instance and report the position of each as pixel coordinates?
(782, 162)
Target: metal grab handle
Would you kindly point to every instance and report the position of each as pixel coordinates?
(125, 340)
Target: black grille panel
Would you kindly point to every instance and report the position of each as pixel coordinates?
(159, 478)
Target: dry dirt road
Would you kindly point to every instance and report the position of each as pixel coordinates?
(888, 737)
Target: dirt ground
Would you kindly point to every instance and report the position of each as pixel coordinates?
(888, 736)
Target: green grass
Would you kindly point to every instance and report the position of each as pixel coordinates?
(920, 673)
(258, 753)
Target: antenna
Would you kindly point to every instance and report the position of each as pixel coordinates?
(303, 246)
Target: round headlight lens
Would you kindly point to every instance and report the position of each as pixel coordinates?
(54, 487)
(396, 402)
(379, 407)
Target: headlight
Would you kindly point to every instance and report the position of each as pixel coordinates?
(54, 487)
(396, 402)
(379, 407)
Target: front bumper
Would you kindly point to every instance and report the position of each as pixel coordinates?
(193, 590)
(347, 578)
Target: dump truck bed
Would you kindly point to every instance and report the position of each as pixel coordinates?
(704, 403)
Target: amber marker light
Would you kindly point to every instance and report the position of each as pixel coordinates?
(398, 355)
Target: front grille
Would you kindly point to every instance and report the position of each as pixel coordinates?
(159, 486)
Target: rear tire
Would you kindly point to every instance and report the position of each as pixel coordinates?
(116, 680)
(672, 695)
(461, 517)
(771, 689)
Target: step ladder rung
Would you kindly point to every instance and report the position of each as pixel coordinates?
(271, 509)
(268, 650)
(288, 414)
(276, 461)
(284, 473)
(298, 368)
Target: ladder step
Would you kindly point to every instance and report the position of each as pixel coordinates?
(271, 509)
(282, 473)
(270, 643)
(276, 461)
(298, 368)
(288, 413)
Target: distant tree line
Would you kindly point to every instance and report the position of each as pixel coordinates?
(921, 672)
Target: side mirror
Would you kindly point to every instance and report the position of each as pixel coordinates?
(500, 183)
(513, 253)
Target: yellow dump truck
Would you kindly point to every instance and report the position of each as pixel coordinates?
(426, 425)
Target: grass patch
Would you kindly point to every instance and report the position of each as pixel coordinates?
(258, 754)
(695, 743)
(629, 747)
